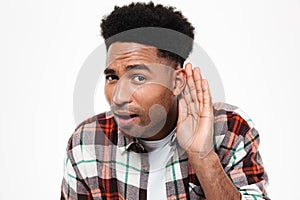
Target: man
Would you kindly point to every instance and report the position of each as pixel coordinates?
(163, 138)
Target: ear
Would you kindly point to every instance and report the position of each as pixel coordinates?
(180, 81)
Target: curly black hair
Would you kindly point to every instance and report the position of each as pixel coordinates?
(138, 15)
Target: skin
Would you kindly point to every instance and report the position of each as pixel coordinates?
(196, 122)
(128, 86)
(154, 116)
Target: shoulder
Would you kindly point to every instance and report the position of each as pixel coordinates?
(234, 132)
(93, 130)
(100, 119)
(231, 118)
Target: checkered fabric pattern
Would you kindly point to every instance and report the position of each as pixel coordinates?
(103, 164)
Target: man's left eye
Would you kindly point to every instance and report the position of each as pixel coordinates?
(139, 78)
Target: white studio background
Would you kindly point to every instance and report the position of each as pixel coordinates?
(43, 45)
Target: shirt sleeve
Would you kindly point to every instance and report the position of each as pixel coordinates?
(236, 143)
(246, 169)
(73, 187)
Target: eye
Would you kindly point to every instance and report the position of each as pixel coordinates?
(110, 78)
(139, 78)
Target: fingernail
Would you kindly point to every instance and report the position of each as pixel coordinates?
(188, 65)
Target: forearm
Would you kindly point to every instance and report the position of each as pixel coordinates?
(213, 179)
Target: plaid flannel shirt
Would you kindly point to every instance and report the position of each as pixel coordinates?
(101, 163)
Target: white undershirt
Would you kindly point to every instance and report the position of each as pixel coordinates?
(159, 153)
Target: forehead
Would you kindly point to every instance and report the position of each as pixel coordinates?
(127, 53)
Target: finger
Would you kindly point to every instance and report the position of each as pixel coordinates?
(198, 79)
(207, 100)
(187, 95)
(192, 106)
(183, 109)
(191, 81)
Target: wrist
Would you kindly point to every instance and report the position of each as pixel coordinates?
(198, 161)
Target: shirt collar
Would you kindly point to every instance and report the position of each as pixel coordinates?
(127, 143)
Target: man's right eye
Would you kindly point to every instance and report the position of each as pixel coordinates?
(111, 78)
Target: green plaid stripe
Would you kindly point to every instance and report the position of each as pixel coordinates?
(90, 173)
(126, 165)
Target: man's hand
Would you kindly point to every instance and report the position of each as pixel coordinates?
(195, 120)
(195, 135)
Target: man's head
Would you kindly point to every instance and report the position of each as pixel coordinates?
(142, 80)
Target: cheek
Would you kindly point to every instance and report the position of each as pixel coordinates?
(153, 94)
(108, 91)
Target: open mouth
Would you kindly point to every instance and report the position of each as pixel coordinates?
(126, 116)
(125, 119)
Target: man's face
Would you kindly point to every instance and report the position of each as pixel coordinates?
(140, 88)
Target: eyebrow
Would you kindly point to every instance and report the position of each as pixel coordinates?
(142, 67)
(109, 71)
(128, 68)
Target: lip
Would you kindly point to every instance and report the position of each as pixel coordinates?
(125, 119)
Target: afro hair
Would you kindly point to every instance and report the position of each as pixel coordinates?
(138, 15)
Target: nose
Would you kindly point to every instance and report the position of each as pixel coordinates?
(122, 93)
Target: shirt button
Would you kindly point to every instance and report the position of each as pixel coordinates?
(145, 168)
